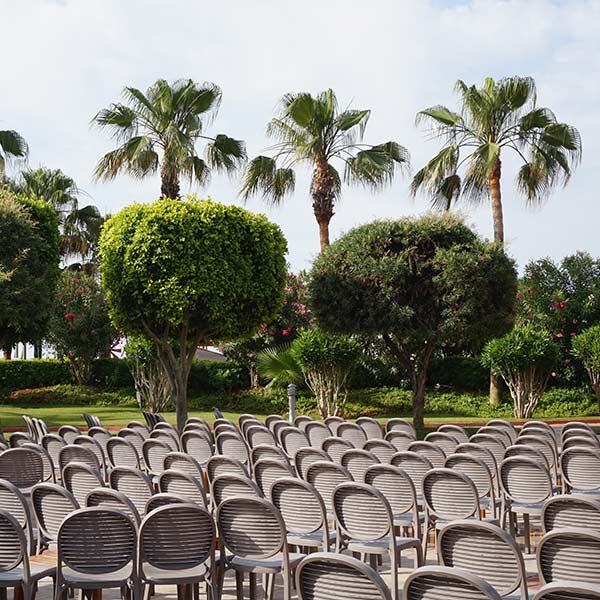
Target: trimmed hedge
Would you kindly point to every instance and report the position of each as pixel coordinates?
(25, 374)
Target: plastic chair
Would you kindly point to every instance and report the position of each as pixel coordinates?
(325, 477)
(317, 433)
(14, 501)
(197, 445)
(507, 426)
(382, 449)
(182, 484)
(267, 471)
(259, 452)
(154, 452)
(69, 433)
(335, 447)
(333, 423)
(259, 435)
(122, 453)
(23, 467)
(109, 498)
(415, 466)
(401, 425)
(580, 468)
(568, 591)
(135, 438)
(306, 457)
(456, 431)
(401, 440)
(80, 479)
(357, 462)
(134, 484)
(352, 433)
(435, 455)
(51, 504)
(233, 446)
(446, 441)
(292, 439)
(562, 512)
(221, 465)
(371, 428)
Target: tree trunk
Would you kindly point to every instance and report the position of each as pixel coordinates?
(7, 353)
(322, 191)
(496, 200)
(180, 393)
(496, 387)
(323, 231)
(418, 390)
(169, 184)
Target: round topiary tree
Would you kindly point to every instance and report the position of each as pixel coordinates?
(187, 273)
(524, 358)
(417, 285)
(586, 347)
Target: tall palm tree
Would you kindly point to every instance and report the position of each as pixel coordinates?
(500, 116)
(160, 129)
(12, 146)
(312, 130)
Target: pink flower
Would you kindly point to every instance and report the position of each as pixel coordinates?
(73, 280)
(573, 334)
(286, 332)
(574, 321)
(70, 316)
(518, 295)
(558, 335)
(553, 374)
(93, 332)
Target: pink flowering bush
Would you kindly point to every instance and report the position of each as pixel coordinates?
(80, 328)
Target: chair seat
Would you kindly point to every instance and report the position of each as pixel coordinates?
(81, 580)
(312, 540)
(407, 518)
(533, 508)
(381, 546)
(274, 564)
(440, 523)
(159, 576)
(15, 576)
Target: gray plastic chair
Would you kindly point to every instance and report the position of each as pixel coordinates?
(456, 431)
(80, 454)
(352, 433)
(177, 547)
(317, 433)
(100, 434)
(529, 452)
(496, 445)
(135, 438)
(302, 420)
(292, 439)
(164, 499)
(382, 449)
(270, 420)
(277, 427)
(446, 441)
(122, 453)
(14, 501)
(267, 471)
(140, 428)
(568, 591)
(498, 432)
(543, 444)
(486, 551)
(137, 486)
(274, 452)
(372, 429)
(23, 467)
(335, 447)
(180, 461)
(484, 455)
(326, 576)
(569, 555)
(259, 435)
(80, 479)
(567, 511)
(325, 477)
(109, 498)
(580, 468)
(167, 436)
(197, 445)
(333, 423)
(51, 504)
(230, 485)
(303, 512)
(96, 549)
(431, 451)
(94, 446)
(306, 457)
(506, 425)
(221, 465)
(401, 425)
(48, 465)
(401, 440)
(254, 532)
(232, 445)
(415, 466)
(575, 441)
(53, 443)
(365, 524)
(19, 438)
(357, 462)
(15, 569)
(154, 452)
(69, 433)
(172, 481)
(245, 426)
(445, 583)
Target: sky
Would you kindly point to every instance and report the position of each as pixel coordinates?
(66, 59)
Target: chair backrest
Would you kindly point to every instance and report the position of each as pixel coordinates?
(401, 425)
(498, 432)
(270, 420)
(443, 583)
(14, 501)
(164, 426)
(154, 452)
(80, 479)
(485, 550)
(100, 434)
(569, 555)
(475, 469)
(327, 576)
(568, 591)
(172, 481)
(231, 485)
(48, 464)
(317, 433)
(306, 457)
(580, 468)
(251, 527)
(274, 452)
(69, 433)
(13, 544)
(506, 425)
(292, 439)
(573, 441)
(371, 428)
(450, 495)
(529, 452)
(542, 443)
(232, 445)
(197, 445)
(571, 510)
(539, 425)
(202, 428)
(109, 498)
(51, 504)
(221, 465)
(122, 453)
(135, 438)
(482, 453)
(247, 417)
(414, 465)
(79, 454)
(431, 451)
(167, 436)
(19, 438)
(333, 423)
(96, 541)
(94, 446)
(302, 420)
(164, 499)
(525, 480)
(137, 486)
(53, 443)
(180, 461)
(301, 507)
(357, 462)
(401, 440)
(577, 425)
(325, 476)
(177, 537)
(382, 449)
(259, 435)
(23, 467)
(140, 428)
(335, 447)
(267, 471)
(446, 441)
(225, 427)
(277, 427)
(396, 485)
(91, 420)
(352, 433)
(495, 445)
(456, 431)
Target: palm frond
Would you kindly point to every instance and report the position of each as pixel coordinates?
(375, 166)
(225, 154)
(263, 177)
(136, 156)
(279, 366)
(12, 144)
(351, 118)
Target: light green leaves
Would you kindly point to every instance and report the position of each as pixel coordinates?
(438, 114)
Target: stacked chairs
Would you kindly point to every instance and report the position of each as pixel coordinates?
(92, 420)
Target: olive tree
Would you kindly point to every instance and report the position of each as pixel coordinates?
(187, 273)
(417, 286)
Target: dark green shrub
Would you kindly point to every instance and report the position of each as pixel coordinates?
(111, 373)
(459, 373)
(25, 374)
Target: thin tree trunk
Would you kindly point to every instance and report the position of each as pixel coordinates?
(418, 390)
(7, 353)
(322, 191)
(323, 232)
(169, 184)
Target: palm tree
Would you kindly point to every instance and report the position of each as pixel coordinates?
(312, 130)
(500, 116)
(12, 146)
(159, 130)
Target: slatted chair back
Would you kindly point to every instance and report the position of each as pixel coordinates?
(401, 425)
(333, 423)
(325, 477)
(69, 433)
(13, 544)
(23, 467)
(197, 420)
(14, 502)
(569, 555)
(577, 425)
(177, 537)
(317, 433)
(100, 434)
(352, 433)
(109, 498)
(357, 462)
(580, 468)
(79, 454)
(259, 452)
(292, 439)
(401, 440)
(575, 441)
(382, 449)
(245, 425)
(586, 432)
(302, 420)
(92, 420)
(496, 445)
(449, 495)
(446, 441)
(499, 432)
(231, 485)
(154, 452)
(567, 511)
(506, 425)
(140, 428)
(135, 438)
(221, 465)
(41, 427)
(185, 463)
(223, 421)
(277, 427)
(91, 444)
(568, 591)
(431, 451)
(51, 504)
(247, 417)
(539, 425)
(479, 473)
(415, 465)
(482, 453)
(456, 431)
(17, 439)
(327, 576)
(80, 479)
(52, 442)
(172, 481)
(164, 499)
(270, 420)
(122, 453)
(232, 445)
(335, 448)
(200, 428)
(225, 428)
(137, 486)
(259, 435)
(31, 429)
(541, 443)
(371, 428)
(301, 507)
(164, 426)
(267, 471)
(485, 550)
(197, 445)
(529, 452)
(525, 481)
(166, 436)
(49, 471)
(306, 457)
(445, 583)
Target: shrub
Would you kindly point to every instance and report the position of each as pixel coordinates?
(25, 374)
(524, 358)
(459, 373)
(586, 347)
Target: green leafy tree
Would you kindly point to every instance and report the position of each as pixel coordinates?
(29, 257)
(80, 328)
(12, 146)
(417, 286)
(501, 116)
(187, 273)
(524, 358)
(586, 347)
(159, 130)
(313, 131)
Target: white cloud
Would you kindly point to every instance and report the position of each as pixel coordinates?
(71, 58)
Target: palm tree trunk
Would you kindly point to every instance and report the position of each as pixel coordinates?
(323, 200)
(169, 184)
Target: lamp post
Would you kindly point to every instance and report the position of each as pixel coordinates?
(291, 391)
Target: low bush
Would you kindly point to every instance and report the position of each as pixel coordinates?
(25, 374)
(69, 395)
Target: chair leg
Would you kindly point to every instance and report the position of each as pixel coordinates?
(527, 533)
(2, 593)
(252, 586)
(270, 587)
(239, 585)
